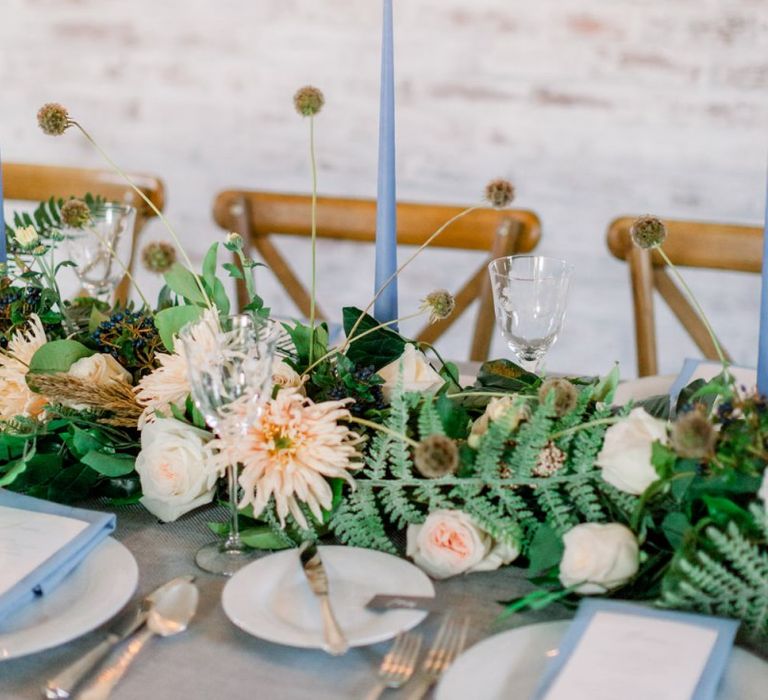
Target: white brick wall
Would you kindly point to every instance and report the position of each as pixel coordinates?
(594, 108)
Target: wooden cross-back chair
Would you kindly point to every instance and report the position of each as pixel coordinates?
(37, 183)
(258, 216)
(688, 244)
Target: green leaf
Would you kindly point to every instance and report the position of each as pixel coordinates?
(15, 469)
(606, 387)
(454, 418)
(234, 271)
(506, 376)
(262, 537)
(84, 441)
(300, 335)
(220, 297)
(96, 318)
(170, 321)
(378, 348)
(58, 356)
(674, 526)
(546, 549)
(184, 283)
(109, 465)
(209, 265)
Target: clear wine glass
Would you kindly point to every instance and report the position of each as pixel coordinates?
(229, 359)
(530, 294)
(102, 248)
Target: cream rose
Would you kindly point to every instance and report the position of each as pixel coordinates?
(449, 542)
(174, 468)
(417, 373)
(598, 556)
(626, 455)
(284, 376)
(100, 369)
(495, 409)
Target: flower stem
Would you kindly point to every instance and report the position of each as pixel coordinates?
(394, 275)
(584, 426)
(150, 204)
(312, 300)
(696, 304)
(383, 429)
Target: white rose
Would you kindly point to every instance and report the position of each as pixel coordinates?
(626, 454)
(495, 409)
(284, 376)
(173, 466)
(450, 543)
(762, 493)
(100, 369)
(417, 373)
(599, 556)
(26, 236)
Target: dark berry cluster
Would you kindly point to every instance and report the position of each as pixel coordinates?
(363, 386)
(131, 338)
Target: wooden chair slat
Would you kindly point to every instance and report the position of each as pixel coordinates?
(699, 244)
(258, 216)
(36, 183)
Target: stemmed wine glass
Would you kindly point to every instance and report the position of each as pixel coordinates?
(530, 294)
(101, 248)
(229, 359)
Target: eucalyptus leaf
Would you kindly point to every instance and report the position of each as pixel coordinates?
(58, 356)
(170, 321)
(184, 283)
(109, 465)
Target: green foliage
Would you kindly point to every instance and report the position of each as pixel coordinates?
(724, 572)
(171, 320)
(377, 348)
(58, 356)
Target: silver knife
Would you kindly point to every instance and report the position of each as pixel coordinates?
(64, 683)
(336, 643)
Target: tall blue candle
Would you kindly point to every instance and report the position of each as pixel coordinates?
(762, 352)
(385, 308)
(3, 254)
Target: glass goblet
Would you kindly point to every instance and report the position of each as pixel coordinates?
(101, 249)
(530, 295)
(229, 360)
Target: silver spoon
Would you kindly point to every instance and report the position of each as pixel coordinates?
(171, 614)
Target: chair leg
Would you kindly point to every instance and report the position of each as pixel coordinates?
(641, 274)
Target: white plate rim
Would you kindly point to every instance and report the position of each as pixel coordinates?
(112, 566)
(230, 604)
(557, 628)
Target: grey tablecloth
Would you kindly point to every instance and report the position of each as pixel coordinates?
(214, 659)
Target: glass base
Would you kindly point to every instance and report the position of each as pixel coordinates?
(217, 558)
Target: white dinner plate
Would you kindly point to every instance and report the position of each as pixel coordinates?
(95, 591)
(643, 388)
(271, 599)
(511, 664)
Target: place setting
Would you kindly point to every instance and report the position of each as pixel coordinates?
(379, 517)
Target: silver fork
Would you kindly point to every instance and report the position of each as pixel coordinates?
(398, 665)
(448, 644)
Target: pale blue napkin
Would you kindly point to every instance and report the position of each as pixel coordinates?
(710, 677)
(50, 573)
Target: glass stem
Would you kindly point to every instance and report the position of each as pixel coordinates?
(233, 540)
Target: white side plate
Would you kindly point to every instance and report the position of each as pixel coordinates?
(510, 665)
(271, 599)
(95, 591)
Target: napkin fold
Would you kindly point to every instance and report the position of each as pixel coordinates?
(43, 579)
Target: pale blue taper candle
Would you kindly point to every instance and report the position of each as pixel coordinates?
(385, 308)
(3, 254)
(762, 351)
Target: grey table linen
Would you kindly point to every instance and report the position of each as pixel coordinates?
(214, 659)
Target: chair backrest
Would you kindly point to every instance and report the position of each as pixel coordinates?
(259, 215)
(688, 244)
(36, 183)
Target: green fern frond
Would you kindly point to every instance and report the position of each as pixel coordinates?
(429, 420)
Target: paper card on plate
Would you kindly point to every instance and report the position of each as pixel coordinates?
(618, 650)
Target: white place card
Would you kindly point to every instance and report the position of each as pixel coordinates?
(634, 658)
(28, 539)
